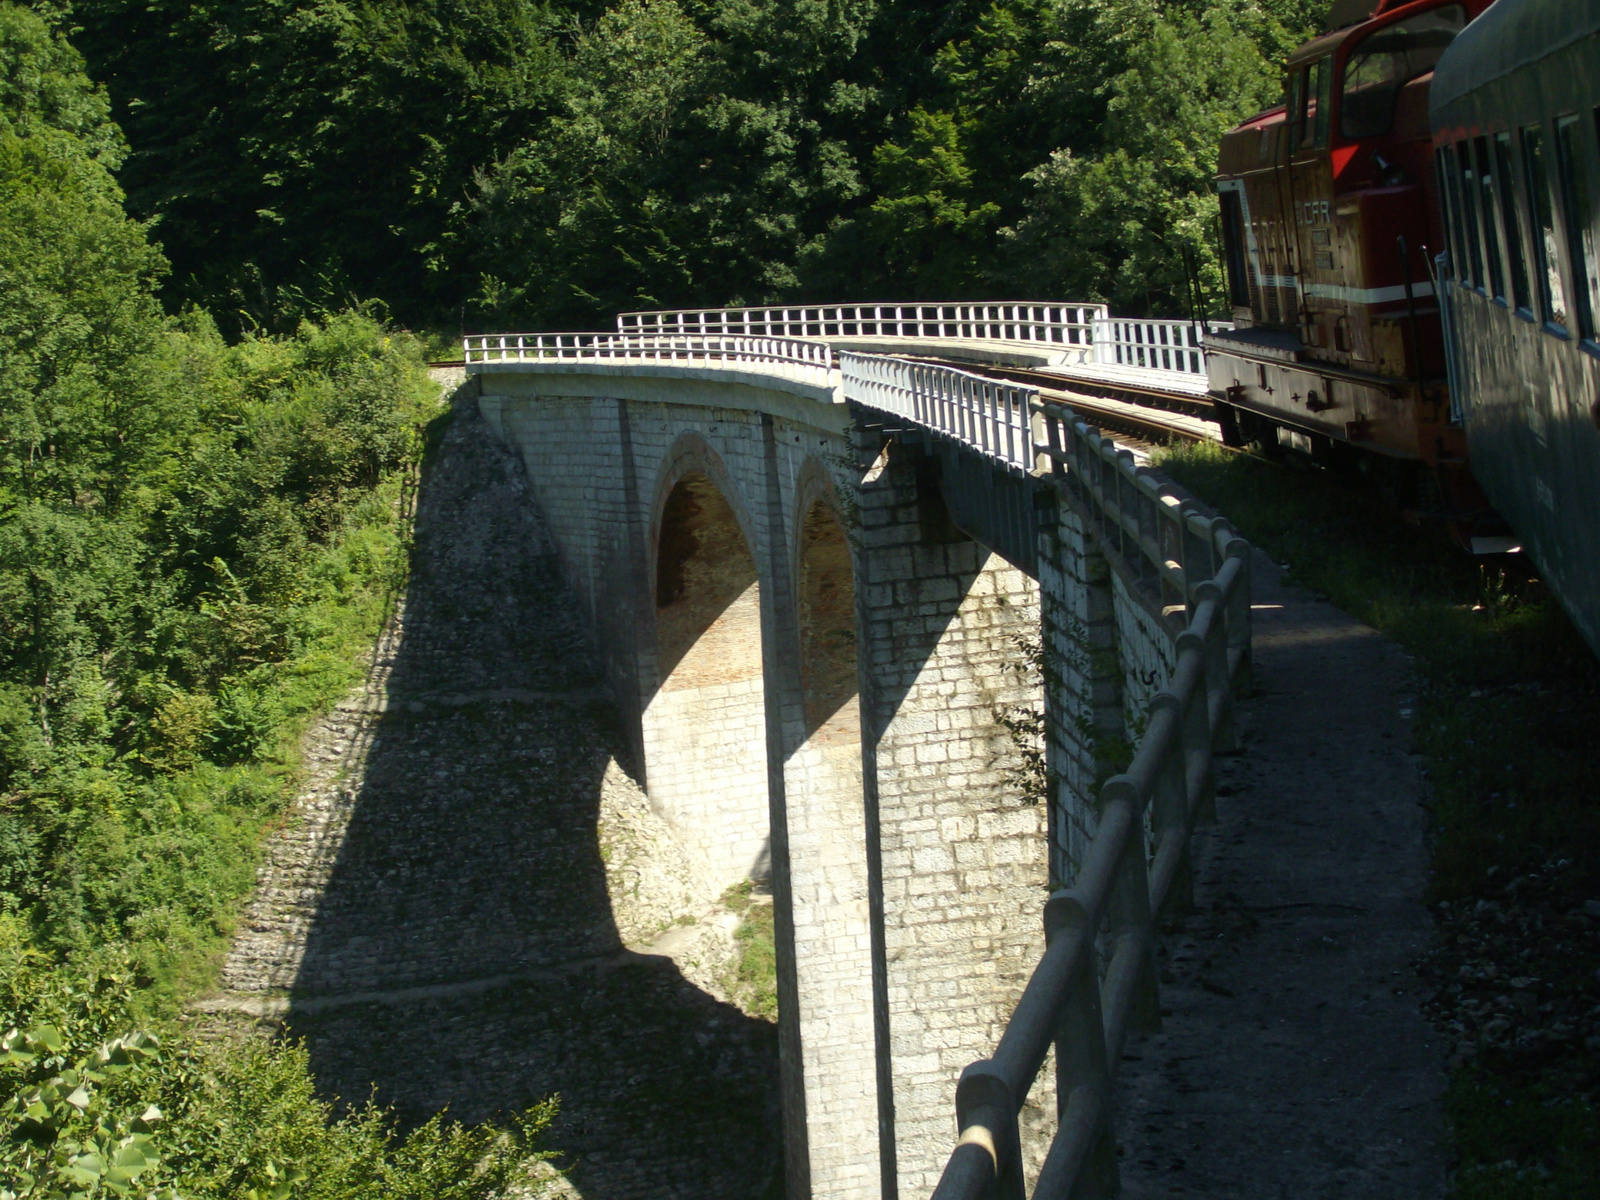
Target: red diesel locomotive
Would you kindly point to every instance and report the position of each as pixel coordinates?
(1330, 220)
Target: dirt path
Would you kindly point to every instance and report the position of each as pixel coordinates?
(1294, 1062)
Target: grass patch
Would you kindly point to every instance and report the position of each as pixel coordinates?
(1508, 705)
(753, 976)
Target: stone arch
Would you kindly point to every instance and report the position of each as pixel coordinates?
(824, 573)
(704, 726)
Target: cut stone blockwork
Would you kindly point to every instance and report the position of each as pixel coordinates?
(829, 682)
(948, 629)
(655, 498)
(472, 903)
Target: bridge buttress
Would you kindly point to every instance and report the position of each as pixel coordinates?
(1085, 723)
(945, 628)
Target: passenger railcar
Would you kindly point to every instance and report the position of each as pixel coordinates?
(1515, 114)
(1329, 219)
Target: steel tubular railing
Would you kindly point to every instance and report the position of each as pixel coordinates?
(1120, 887)
(1010, 320)
(1173, 346)
(1199, 567)
(991, 416)
(788, 355)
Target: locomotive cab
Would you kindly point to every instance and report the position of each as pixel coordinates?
(1329, 223)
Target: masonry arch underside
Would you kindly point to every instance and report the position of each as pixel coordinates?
(705, 732)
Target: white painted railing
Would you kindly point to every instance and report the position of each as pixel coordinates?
(791, 357)
(988, 415)
(1175, 346)
(1010, 320)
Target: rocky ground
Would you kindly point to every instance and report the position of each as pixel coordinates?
(1515, 976)
(472, 903)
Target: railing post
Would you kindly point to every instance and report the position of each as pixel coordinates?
(1048, 435)
(1082, 1164)
(1169, 807)
(1130, 927)
(1199, 793)
(986, 1115)
(1219, 687)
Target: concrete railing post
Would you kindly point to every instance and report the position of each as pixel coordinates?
(1169, 816)
(1199, 794)
(1132, 982)
(1219, 687)
(986, 1114)
(1084, 1148)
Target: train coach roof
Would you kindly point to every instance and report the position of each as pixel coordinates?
(1510, 34)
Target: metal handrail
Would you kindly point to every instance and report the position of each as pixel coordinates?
(1123, 883)
(988, 415)
(1172, 346)
(1052, 322)
(811, 358)
(1189, 562)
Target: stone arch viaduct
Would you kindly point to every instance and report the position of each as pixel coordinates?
(878, 633)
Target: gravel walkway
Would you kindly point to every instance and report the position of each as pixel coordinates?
(1293, 1061)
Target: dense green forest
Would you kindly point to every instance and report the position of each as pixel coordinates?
(198, 539)
(539, 163)
(216, 222)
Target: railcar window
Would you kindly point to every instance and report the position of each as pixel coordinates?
(1386, 60)
(1323, 111)
(1441, 172)
(1311, 103)
(1577, 199)
(1491, 224)
(1510, 214)
(1233, 246)
(1469, 212)
(1297, 106)
(1546, 253)
(1452, 187)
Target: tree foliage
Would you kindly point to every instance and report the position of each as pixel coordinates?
(197, 539)
(94, 1106)
(503, 162)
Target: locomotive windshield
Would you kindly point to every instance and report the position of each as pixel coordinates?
(1386, 60)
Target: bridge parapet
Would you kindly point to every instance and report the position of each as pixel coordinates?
(770, 357)
(1081, 334)
(1049, 322)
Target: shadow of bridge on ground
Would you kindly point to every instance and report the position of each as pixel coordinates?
(464, 951)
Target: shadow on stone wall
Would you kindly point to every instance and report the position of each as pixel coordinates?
(464, 952)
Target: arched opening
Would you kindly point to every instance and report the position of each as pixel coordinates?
(705, 726)
(828, 633)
